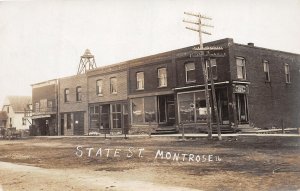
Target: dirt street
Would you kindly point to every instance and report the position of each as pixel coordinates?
(157, 163)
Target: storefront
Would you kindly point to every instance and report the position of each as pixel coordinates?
(44, 125)
(240, 92)
(113, 116)
(159, 110)
(192, 106)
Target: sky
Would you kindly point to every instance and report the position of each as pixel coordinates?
(43, 40)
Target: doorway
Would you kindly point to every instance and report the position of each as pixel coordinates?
(242, 108)
(62, 124)
(166, 109)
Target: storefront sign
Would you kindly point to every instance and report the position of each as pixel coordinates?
(242, 89)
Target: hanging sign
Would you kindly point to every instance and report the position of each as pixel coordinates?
(242, 89)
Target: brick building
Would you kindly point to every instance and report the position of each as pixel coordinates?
(73, 97)
(255, 87)
(107, 98)
(44, 108)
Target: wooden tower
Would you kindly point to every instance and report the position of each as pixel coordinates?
(87, 62)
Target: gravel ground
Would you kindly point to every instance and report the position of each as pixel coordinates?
(157, 163)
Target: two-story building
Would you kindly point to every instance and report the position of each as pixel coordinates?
(73, 104)
(107, 98)
(255, 87)
(45, 108)
(15, 107)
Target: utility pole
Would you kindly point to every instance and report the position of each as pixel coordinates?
(202, 55)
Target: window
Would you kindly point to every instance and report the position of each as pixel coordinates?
(37, 107)
(7, 109)
(113, 85)
(94, 117)
(190, 74)
(78, 93)
(241, 68)
(99, 87)
(49, 105)
(116, 116)
(162, 77)
(287, 73)
(192, 107)
(266, 70)
(67, 94)
(23, 121)
(140, 80)
(213, 63)
(143, 110)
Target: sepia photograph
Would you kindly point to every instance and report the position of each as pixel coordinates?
(140, 95)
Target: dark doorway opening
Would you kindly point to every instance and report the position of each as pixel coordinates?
(166, 110)
(62, 125)
(242, 108)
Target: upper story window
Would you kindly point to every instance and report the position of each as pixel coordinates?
(140, 80)
(67, 95)
(190, 73)
(266, 71)
(49, 104)
(113, 85)
(241, 68)
(8, 109)
(37, 107)
(78, 93)
(213, 63)
(287, 73)
(99, 87)
(162, 77)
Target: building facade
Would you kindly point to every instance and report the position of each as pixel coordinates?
(73, 104)
(45, 108)
(107, 98)
(15, 107)
(255, 87)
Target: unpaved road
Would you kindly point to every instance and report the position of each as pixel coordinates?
(247, 163)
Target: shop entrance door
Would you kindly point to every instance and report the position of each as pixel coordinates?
(166, 109)
(241, 108)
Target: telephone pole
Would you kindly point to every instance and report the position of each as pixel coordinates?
(204, 52)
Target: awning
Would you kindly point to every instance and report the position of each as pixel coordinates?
(40, 116)
(200, 85)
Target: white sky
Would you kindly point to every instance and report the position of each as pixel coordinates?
(42, 40)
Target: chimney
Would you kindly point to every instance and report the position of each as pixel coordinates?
(250, 44)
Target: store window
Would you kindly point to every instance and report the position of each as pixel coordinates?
(200, 103)
(137, 110)
(192, 107)
(186, 107)
(94, 117)
(190, 74)
(149, 109)
(162, 77)
(140, 80)
(241, 68)
(116, 116)
(144, 110)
